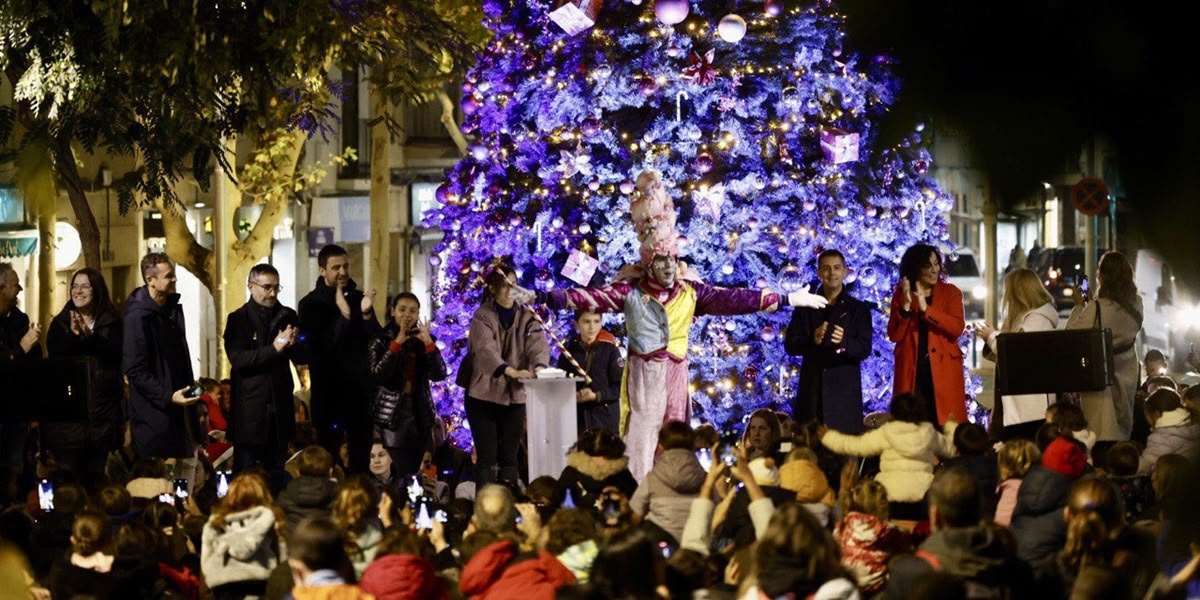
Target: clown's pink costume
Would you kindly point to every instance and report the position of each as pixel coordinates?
(659, 307)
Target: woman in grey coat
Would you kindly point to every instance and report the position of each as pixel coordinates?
(505, 346)
(1117, 307)
(243, 540)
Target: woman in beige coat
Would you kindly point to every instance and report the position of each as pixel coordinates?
(505, 346)
(1119, 308)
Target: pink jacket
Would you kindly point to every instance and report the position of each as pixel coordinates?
(490, 346)
(1007, 491)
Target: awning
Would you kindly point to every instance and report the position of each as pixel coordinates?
(18, 243)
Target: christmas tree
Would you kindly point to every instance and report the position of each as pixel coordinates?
(763, 127)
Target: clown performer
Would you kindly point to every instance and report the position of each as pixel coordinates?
(659, 297)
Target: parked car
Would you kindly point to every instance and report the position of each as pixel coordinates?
(1171, 323)
(964, 273)
(1060, 269)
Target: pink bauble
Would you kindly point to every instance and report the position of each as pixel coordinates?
(671, 12)
(773, 7)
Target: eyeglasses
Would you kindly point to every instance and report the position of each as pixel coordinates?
(278, 288)
(80, 287)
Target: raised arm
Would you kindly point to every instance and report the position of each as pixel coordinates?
(715, 300)
(609, 298)
(946, 315)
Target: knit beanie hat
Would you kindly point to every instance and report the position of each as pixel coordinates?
(1065, 456)
(764, 474)
(807, 480)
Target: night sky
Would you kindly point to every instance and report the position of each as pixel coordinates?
(1030, 80)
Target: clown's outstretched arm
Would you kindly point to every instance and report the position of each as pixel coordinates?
(715, 300)
(609, 298)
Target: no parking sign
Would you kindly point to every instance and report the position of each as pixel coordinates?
(1090, 196)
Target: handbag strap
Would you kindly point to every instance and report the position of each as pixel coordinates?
(1098, 323)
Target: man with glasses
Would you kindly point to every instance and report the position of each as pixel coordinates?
(260, 340)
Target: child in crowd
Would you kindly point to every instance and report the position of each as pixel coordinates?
(88, 570)
(1037, 522)
(311, 493)
(665, 496)
(1015, 459)
(974, 451)
(1121, 465)
(800, 474)
(1071, 416)
(1171, 429)
(599, 402)
(908, 447)
(868, 541)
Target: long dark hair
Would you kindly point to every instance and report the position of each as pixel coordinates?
(628, 566)
(915, 259)
(101, 300)
(1116, 282)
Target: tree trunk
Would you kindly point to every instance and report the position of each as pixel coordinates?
(68, 172)
(36, 182)
(381, 184)
(450, 124)
(182, 246)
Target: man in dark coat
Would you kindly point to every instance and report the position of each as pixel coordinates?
(337, 322)
(158, 364)
(259, 338)
(18, 342)
(833, 341)
(598, 402)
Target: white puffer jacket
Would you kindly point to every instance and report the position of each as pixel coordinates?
(907, 454)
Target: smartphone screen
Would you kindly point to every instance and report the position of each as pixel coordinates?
(46, 495)
(222, 483)
(423, 520)
(727, 456)
(704, 455)
(415, 489)
(440, 516)
(181, 489)
(612, 508)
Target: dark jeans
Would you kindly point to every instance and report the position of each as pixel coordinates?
(497, 430)
(268, 457)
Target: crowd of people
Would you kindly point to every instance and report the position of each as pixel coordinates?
(172, 487)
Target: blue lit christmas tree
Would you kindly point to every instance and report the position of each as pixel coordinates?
(763, 127)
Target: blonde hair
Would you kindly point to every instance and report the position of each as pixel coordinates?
(869, 497)
(1016, 457)
(1023, 292)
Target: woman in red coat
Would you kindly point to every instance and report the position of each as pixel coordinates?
(925, 324)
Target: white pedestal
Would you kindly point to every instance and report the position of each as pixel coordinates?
(550, 423)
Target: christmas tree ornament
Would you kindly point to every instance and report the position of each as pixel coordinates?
(671, 12)
(704, 162)
(773, 8)
(580, 267)
(576, 16)
(709, 200)
(700, 69)
(578, 161)
(732, 28)
(590, 126)
(839, 145)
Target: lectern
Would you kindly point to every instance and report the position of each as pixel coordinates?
(550, 424)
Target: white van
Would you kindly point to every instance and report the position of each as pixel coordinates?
(1171, 323)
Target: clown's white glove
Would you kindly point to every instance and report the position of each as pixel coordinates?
(522, 295)
(802, 298)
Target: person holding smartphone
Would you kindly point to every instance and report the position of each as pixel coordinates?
(162, 416)
(925, 324)
(404, 359)
(833, 341)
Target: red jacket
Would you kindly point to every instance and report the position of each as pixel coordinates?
(493, 574)
(402, 577)
(946, 322)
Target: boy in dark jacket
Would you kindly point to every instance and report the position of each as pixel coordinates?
(976, 456)
(599, 402)
(312, 493)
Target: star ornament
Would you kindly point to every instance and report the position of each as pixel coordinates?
(576, 162)
(700, 69)
(709, 200)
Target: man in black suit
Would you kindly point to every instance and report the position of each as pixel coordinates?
(260, 338)
(337, 322)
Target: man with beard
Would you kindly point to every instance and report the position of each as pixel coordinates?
(158, 364)
(259, 339)
(336, 323)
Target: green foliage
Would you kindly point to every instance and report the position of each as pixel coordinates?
(167, 82)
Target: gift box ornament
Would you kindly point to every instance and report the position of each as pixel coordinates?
(839, 145)
(576, 16)
(580, 267)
